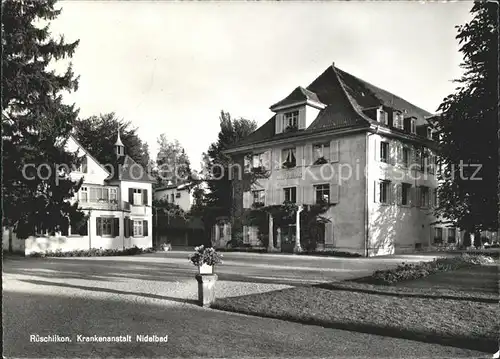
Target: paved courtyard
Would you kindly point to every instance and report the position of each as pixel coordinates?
(154, 294)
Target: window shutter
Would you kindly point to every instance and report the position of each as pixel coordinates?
(299, 199)
(392, 193)
(392, 152)
(299, 155)
(98, 222)
(399, 194)
(308, 155)
(266, 160)
(417, 197)
(131, 227)
(145, 197)
(247, 199)
(386, 118)
(279, 123)
(334, 193)
(131, 195)
(126, 233)
(116, 227)
(334, 150)
(280, 198)
(276, 158)
(377, 149)
(145, 228)
(376, 191)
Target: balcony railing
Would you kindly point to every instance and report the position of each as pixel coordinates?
(101, 204)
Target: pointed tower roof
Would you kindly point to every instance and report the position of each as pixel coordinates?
(119, 140)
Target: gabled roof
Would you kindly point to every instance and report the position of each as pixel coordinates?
(126, 169)
(298, 95)
(87, 153)
(345, 97)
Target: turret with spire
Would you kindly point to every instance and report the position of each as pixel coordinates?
(119, 147)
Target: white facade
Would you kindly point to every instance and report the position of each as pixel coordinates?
(117, 219)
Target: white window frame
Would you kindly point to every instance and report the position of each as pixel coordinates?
(84, 191)
(413, 126)
(385, 192)
(106, 223)
(289, 153)
(138, 196)
(406, 189)
(321, 150)
(259, 196)
(324, 190)
(138, 228)
(384, 144)
(398, 121)
(291, 190)
(382, 116)
(113, 194)
(291, 119)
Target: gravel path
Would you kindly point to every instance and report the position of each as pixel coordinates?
(154, 296)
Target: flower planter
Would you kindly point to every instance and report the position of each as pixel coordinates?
(205, 269)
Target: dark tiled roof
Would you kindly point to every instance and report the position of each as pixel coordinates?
(298, 95)
(346, 98)
(126, 169)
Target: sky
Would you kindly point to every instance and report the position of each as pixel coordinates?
(171, 67)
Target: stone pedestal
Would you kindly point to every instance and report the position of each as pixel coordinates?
(297, 248)
(206, 289)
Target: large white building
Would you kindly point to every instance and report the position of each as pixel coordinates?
(117, 200)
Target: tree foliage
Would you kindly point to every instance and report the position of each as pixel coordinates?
(468, 127)
(98, 135)
(172, 161)
(35, 121)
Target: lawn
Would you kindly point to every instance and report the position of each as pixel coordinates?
(458, 314)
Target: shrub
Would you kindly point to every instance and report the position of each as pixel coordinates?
(93, 252)
(204, 255)
(406, 271)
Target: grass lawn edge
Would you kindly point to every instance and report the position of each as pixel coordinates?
(483, 345)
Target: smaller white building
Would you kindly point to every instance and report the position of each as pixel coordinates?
(181, 195)
(117, 200)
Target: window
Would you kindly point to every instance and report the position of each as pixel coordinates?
(398, 120)
(413, 126)
(429, 133)
(291, 120)
(321, 151)
(259, 196)
(385, 187)
(290, 194)
(424, 196)
(138, 226)
(406, 156)
(384, 152)
(172, 198)
(382, 116)
(256, 161)
(137, 196)
(322, 193)
(438, 235)
(84, 194)
(113, 195)
(405, 194)
(104, 226)
(452, 235)
(178, 195)
(98, 194)
(289, 158)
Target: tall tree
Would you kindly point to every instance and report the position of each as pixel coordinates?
(35, 121)
(98, 135)
(468, 127)
(173, 165)
(217, 200)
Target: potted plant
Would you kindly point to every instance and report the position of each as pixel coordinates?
(205, 259)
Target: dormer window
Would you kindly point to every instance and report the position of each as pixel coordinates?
(291, 121)
(382, 117)
(397, 120)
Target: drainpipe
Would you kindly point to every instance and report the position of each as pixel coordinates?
(367, 225)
